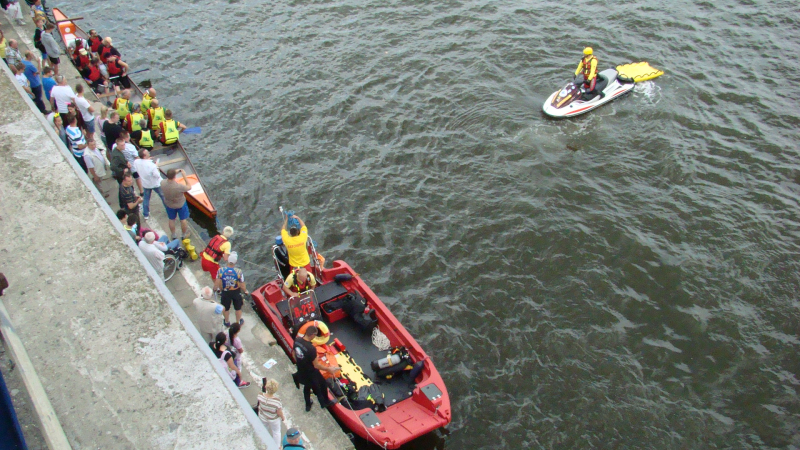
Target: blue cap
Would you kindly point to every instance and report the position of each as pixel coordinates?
(218, 309)
(278, 240)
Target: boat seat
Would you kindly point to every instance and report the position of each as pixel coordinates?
(283, 308)
(329, 291)
(179, 158)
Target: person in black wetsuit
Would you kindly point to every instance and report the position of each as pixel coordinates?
(308, 367)
(281, 257)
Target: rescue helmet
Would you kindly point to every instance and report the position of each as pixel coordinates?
(278, 240)
(587, 51)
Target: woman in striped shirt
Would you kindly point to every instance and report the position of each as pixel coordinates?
(270, 409)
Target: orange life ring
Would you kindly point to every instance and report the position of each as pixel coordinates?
(323, 336)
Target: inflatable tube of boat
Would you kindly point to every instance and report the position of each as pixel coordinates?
(342, 277)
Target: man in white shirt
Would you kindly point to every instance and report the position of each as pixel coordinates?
(152, 253)
(99, 168)
(86, 109)
(150, 177)
(61, 95)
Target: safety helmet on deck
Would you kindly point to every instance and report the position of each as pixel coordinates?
(587, 51)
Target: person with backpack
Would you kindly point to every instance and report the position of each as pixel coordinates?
(235, 343)
(226, 357)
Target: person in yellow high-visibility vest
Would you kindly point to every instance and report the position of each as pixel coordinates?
(170, 129)
(588, 66)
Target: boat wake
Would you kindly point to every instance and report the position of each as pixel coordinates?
(650, 90)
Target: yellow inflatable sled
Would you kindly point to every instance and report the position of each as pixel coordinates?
(641, 71)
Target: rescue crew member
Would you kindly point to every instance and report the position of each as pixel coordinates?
(143, 137)
(308, 370)
(123, 104)
(217, 250)
(95, 41)
(281, 257)
(133, 119)
(230, 281)
(148, 96)
(155, 115)
(298, 282)
(295, 242)
(588, 65)
(170, 129)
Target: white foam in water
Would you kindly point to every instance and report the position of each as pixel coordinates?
(650, 90)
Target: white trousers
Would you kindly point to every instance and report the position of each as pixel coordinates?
(13, 12)
(274, 428)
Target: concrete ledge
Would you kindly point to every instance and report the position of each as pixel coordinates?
(50, 426)
(109, 351)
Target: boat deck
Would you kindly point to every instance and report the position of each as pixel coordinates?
(359, 346)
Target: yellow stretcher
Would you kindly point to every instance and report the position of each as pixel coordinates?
(351, 370)
(641, 71)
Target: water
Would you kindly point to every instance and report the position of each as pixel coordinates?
(625, 279)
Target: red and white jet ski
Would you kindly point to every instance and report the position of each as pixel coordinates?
(572, 100)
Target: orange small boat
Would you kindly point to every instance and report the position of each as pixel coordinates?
(167, 157)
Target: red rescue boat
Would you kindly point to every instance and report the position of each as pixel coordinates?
(415, 400)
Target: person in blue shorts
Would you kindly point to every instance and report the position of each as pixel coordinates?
(175, 201)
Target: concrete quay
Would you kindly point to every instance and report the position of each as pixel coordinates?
(114, 347)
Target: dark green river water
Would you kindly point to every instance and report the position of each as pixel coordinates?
(627, 279)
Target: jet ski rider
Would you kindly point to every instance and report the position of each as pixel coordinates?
(588, 65)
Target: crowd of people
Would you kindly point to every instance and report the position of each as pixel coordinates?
(127, 133)
(91, 130)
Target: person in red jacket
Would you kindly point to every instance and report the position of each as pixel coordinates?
(218, 249)
(118, 71)
(95, 41)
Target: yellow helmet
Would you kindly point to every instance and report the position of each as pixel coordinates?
(587, 51)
